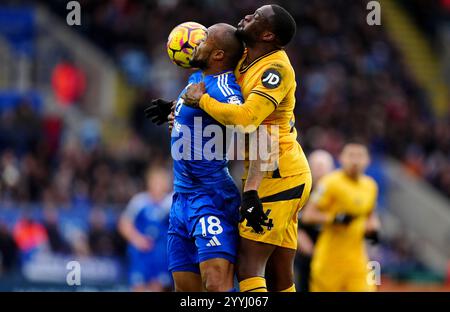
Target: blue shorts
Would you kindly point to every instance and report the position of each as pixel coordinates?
(145, 267)
(203, 225)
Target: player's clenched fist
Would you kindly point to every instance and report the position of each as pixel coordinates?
(193, 94)
(158, 111)
(252, 210)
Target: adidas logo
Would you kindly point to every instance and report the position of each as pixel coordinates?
(213, 242)
(249, 210)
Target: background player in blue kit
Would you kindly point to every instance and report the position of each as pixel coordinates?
(203, 232)
(144, 224)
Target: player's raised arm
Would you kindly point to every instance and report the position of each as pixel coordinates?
(252, 113)
(275, 82)
(158, 111)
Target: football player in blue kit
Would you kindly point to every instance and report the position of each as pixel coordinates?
(203, 230)
(144, 224)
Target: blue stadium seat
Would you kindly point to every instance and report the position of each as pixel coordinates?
(17, 25)
(11, 99)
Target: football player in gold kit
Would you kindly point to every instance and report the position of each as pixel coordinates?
(344, 203)
(271, 199)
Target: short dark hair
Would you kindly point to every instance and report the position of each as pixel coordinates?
(283, 25)
(231, 44)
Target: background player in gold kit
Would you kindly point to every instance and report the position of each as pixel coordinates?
(321, 163)
(271, 200)
(344, 203)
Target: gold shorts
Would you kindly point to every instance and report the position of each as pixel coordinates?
(331, 278)
(282, 199)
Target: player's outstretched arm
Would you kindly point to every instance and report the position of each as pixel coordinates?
(312, 215)
(158, 111)
(251, 113)
(132, 235)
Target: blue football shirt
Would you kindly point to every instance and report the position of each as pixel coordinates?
(199, 143)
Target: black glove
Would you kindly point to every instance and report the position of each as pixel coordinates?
(343, 218)
(158, 110)
(372, 237)
(252, 210)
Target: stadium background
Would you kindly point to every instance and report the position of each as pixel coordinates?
(74, 143)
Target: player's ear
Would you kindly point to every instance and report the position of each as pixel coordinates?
(218, 55)
(268, 36)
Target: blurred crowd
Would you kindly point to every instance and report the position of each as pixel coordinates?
(351, 81)
(41, 162)
(60, 192)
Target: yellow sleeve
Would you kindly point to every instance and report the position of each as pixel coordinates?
(255, 109)
(322, 196)
(276, 80)
(272, 87)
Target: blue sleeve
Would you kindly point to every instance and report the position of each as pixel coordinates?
(195, 77)
(226, 89)
(135, 206)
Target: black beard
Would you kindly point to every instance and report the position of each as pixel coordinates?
(198, 64)
(242, 35)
